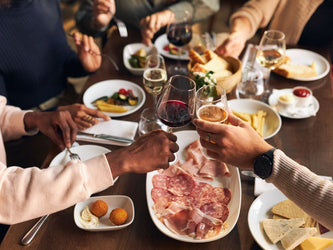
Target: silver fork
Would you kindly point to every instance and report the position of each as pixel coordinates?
(72, 155)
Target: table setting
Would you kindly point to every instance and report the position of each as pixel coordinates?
(157, 105)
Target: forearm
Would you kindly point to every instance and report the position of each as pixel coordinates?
(311, 192)
(53, 189)
(242, 26)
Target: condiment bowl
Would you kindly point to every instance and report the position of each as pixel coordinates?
(303, 96)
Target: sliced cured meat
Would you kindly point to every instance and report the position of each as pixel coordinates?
(200, 193)
(157, 193)
(194, 151)
(216, 210)
(160, 181)
(181, 184)
(173, 170)
(221, 195)
(213, 168)
(178, 222)
(190, 167)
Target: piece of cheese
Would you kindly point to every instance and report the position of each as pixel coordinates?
(316, 243)
(297, 236)
(289, 209)
(277, 229)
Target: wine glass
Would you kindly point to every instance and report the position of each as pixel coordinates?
(175, 107)
(154, 75)
(179, 33)
(271, 51)
(211, 106)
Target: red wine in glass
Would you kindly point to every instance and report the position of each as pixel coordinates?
(179, 34)
(174, 113)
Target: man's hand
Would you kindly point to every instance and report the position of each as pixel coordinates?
(88, 52)
(83, 116)
(232, 46)
(153, 23)
(103, 11)
(57, 125)
(151, 151)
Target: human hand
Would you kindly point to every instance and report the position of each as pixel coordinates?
(237, 144)
(88, 52)
(151, 151)
(232, 46)
(83, 116)
(153, 23)
(103, 11)
(50, 124)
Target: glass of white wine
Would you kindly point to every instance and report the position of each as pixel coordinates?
(272, 49)
(154, 75)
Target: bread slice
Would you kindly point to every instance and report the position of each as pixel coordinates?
(199, 68)
(209, 55)
(216, 64)
(195, 57)
(315, 243)
(297, 236)
(289, 70)
(221, 74)
(277, 229)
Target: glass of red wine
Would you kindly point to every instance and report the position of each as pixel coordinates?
(179, 33)
(176, 105)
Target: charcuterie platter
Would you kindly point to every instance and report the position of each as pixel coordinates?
(191, 207)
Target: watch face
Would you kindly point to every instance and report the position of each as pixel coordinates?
(263, 166)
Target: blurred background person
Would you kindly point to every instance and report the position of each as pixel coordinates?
(240, 145)
(93, 17)
(302, 21)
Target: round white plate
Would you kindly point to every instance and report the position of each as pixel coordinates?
(113, 201)
(161, 42)
(233, 182)
(307, 57)
(272, 121)
(297, 113)
(259, 210)
(108, 88)
(85, 152)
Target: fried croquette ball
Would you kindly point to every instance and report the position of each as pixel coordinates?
(118, 216)
(99, 208)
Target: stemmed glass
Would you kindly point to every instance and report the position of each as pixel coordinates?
(154, 75)
(179, 33)
(154, 79)
(271, 50)
(176, 105)
(211, 105)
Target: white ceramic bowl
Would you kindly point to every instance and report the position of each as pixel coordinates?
(113, 201)
(302, 101)
(128, 51)
(273, 120)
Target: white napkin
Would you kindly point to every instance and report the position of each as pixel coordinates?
(113, 127)
(261, 185)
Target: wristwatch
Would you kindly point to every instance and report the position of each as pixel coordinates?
(263, 164)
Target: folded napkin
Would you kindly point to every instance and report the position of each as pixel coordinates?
(261, 185)
(113, 127)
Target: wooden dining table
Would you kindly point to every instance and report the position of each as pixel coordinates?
(309, 141)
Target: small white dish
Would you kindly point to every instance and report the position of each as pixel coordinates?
(297, 112)
(161, 42)
(272, 121)
(184, 138)
(307, 57)
(113, 201)
(108, 88)
(260, 210)
(303, 96)
(128, 51)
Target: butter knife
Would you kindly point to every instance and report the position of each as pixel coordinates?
(107, 137)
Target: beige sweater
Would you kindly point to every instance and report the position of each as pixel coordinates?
(288, 16)
(308, 190)
(32, 192)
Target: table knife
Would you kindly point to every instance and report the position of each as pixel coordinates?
(107, 137)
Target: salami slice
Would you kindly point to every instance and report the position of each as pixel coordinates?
(181, 184)
(216, 210)
(160, 181)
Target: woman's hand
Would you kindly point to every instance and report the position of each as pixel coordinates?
(83, 116)
(151, 151)
(88, 52)
(57, 125)
(237, 144)
(153, 23)
(103, 11)
(233, 45)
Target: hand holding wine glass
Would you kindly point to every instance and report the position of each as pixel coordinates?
(175, 108)
(179, 33)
